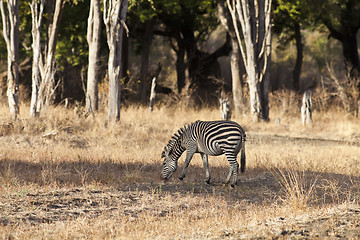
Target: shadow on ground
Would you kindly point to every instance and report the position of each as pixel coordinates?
(74, 193)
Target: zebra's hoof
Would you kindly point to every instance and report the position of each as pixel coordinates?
(181, 178)
(232, 186)
(207, 182)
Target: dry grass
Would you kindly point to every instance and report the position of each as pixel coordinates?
(70, 177)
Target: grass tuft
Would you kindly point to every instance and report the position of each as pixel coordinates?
(298, 189)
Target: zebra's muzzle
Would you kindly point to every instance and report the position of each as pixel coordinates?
(166, 177)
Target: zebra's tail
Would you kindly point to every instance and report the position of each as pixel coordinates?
(243, 160)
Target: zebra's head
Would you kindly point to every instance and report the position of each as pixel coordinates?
(169, 163)
(171, 153)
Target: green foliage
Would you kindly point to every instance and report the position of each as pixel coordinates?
(142, 9)
(25, 29)
(72, 47)
(171, 16)
(292, 8)
(24, 32)
(342, 15)
(288, 12)
(200, 16)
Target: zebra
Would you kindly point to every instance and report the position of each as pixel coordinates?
(212, 138)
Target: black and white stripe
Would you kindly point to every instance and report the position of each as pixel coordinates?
(212, 138)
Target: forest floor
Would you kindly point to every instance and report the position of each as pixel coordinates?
(260, 187)
(63, 186)
(45, 208)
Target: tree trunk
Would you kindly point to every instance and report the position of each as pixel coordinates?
(351, 56)
(114, 19)
(93, 39)
(254, 38)
(236, 79)
(235, 58)
(50, 7)
(350, 53)
(146, 44)
(152, 95)
(265, 83)
(306, 108)
(125, 59)
(225, 110)
(36, 46)
(254, 91)
(180, 67)
(345, 30)
(299, 56)
(191, 51)
(11, 34)
(249, 30)
(48, 67)
(347, 36)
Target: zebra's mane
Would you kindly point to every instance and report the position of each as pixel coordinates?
(174, 140)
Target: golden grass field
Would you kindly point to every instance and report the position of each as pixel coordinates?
(65, 176)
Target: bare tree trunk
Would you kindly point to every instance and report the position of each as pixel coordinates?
(180, 65)
(93, 39)
(299, 57)
(225, 110)
(48, 67)
(237, 90)
(152, 95)
(306, 108)
(125, 59)
(146, 43)
(114, 19)
(10, 33)
(36, 46)
(265, 83)
(235, 59)
(255, 46)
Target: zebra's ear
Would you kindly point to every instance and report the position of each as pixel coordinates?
(163, 154)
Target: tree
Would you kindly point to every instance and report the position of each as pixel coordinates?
(254, 39)
(235, 59)
(114, 19)
(189, 23)
(37, 16)
(142, 18)
(47, 65)
(290, 16)
(185, 24)
(10, 22)
(93, 39)
(342, 18)
(146, 43)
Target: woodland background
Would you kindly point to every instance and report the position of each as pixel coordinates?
(314, 46)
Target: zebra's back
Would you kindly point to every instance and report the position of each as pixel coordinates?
(217, 137)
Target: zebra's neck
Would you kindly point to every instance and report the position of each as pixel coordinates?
(175, 144)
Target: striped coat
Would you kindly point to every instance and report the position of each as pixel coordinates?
(209, 138)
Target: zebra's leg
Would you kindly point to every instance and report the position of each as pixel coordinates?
(189, 156)
(233, 170)
(229, 175)
(206, 166)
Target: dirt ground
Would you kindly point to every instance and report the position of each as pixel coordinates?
(342, 222)
(260, 187)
